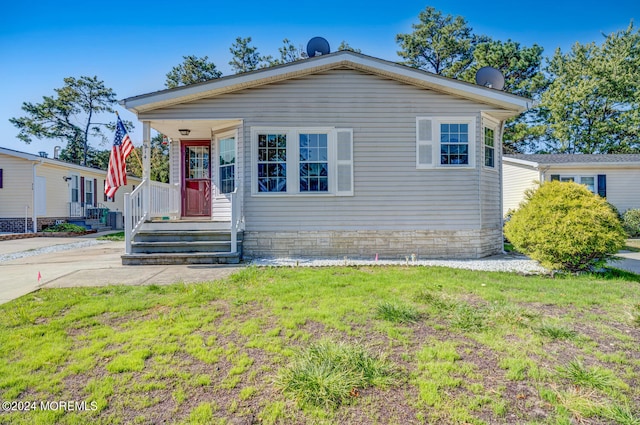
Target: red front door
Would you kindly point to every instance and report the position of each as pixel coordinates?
(196, 179)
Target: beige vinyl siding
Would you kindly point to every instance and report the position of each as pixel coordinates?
(16, 192)
(516, 179)
(389, 192)
(623, 188)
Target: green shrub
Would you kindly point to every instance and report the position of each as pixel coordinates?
(631, 223)
(65, 227)
(565, 226)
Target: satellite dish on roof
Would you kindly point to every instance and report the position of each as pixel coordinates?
(490, 77)
(318, 46)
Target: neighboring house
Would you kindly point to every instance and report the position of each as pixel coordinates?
(614, 177)
(337, 155)
(39, 191)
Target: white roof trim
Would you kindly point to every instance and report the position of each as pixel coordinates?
(150, 101)
(520, 161)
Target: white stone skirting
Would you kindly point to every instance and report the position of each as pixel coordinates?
(425, 244)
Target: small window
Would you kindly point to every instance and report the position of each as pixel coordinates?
(489, 147)
(272, 162)
(227, 165)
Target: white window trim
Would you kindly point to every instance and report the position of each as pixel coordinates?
(436, 120)
(497, 142)
(293, 162)
(215, 170)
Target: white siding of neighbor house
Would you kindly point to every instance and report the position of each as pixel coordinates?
(17, 187)
(389, 192)
(623, 183)
(516, 179)
(16, 193)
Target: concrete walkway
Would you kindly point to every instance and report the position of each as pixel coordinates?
(95, 265)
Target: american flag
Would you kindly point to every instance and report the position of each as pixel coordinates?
(117, 172)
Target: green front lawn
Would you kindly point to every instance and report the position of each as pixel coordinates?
(331, 345)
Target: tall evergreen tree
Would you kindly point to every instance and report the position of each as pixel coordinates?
(440, 44)
(245, 57)
(192, 70)
(593, 103)
(70, 116)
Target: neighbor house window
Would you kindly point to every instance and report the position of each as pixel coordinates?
(0, 178)
(489, 147)
(228, 165)
(88, 192)
(314, 163)
(589, 181)
(75, 188)
(272, 162)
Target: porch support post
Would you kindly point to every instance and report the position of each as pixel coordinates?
(146, 167)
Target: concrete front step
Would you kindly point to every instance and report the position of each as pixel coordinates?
(181, 258)
(182, 246)
(184, 235)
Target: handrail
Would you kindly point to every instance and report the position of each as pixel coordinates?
(234, 221)
(134, 213)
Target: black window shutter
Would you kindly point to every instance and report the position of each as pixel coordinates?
(104, 183)
(0, 178)
(95, 192)
(555, 177)
(602, 185)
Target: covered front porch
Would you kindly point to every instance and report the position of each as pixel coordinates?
(196, 217)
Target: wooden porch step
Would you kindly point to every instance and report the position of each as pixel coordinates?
(181, 258)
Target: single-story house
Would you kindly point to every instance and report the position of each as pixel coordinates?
(615, 176)
(337, 155)
(36, 191)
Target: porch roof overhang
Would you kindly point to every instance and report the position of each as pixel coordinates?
(500, 104)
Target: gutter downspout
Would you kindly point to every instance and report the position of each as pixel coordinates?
(34, 218)
(501, 177)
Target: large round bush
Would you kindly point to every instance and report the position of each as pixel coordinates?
(565, 226)
(631, 222)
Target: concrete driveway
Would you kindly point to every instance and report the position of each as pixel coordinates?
(76, 265)
(629, 261)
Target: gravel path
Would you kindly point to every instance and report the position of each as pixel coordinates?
(49, 249)
(499, 263)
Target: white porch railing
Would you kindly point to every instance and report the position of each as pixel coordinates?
(134, 213)
(164, 201)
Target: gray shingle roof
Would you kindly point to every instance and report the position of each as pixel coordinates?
(577, 158)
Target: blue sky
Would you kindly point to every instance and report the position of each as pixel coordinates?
(132, 45)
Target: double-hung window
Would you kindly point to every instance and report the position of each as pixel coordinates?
(227, 169)
(489, 147)
(445, 142)
(303, 161)
(314, 162)
(272, 162)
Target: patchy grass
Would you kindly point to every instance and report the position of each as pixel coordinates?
(363, 345)
(115, 237)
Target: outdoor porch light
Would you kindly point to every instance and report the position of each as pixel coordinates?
(184, 131)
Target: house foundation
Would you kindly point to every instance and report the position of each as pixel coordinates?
(365, 244)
